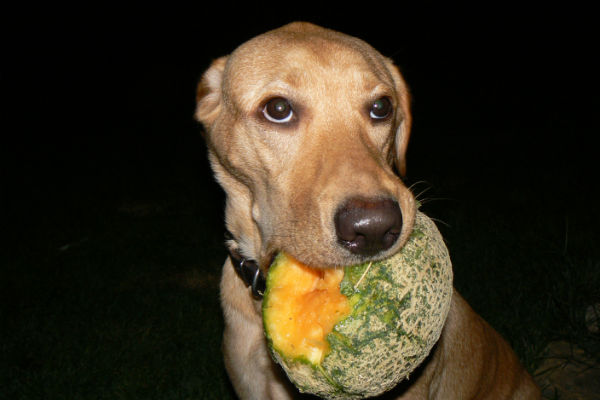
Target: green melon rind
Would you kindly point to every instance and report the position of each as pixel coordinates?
(389, 332)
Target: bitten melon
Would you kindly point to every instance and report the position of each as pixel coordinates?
(357, 331)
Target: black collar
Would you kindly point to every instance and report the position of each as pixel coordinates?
(248, 270)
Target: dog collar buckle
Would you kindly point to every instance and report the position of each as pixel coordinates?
(252, 276)
(258, 284)
(250, 273)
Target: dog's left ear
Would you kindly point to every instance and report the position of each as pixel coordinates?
(208, 95)
(403, 120)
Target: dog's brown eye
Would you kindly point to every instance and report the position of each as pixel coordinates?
(381, 108)
(278, 110)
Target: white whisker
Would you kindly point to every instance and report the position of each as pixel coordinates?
(363, 275)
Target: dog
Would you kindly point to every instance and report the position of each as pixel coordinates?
(307, 131)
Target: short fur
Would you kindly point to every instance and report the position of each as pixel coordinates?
(284, 183)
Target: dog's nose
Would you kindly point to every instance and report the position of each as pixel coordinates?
(367, 227)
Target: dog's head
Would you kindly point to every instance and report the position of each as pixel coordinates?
(304, 127)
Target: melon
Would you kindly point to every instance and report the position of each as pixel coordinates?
(357, 331)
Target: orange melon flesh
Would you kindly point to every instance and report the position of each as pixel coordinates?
(356, 332)
(309, 306)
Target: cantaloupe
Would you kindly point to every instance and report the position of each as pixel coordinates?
(357, 331)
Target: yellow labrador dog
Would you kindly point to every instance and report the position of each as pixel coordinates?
(306, 128)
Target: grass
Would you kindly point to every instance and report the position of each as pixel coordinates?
(109, 285)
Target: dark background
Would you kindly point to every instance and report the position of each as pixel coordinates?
(104, 92)
(97, 111)
(112, 224)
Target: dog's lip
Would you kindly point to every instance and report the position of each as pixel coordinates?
(355, 261)
(270, 259)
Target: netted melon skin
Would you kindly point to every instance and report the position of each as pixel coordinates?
(399, 306)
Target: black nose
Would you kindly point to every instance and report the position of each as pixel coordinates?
(367, 227)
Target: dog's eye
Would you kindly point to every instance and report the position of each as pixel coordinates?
(278, 110)
(381, 108)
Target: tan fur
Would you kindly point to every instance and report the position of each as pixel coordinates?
(284, 184)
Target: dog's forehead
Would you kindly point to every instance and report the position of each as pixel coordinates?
(302, 53)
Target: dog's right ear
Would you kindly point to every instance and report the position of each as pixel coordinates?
(208, 95)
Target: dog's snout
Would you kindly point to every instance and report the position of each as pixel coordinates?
(366, 227)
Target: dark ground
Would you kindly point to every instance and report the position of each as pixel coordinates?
(112, 224)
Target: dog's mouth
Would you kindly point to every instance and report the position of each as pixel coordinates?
(269, 260)
(363, 229)
(254, 273)
(368, 253)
